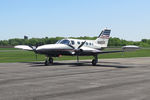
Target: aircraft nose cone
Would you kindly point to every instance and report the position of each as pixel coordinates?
(40, 48)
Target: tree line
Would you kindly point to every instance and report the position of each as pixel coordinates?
(113, 42)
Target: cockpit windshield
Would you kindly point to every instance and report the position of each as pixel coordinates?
(58, 42)
(63, 42)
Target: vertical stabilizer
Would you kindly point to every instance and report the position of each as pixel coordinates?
(103, 38)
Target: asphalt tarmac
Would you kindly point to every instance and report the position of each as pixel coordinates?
(111, 79)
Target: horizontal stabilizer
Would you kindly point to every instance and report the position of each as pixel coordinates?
(24, 47)
(130, 48)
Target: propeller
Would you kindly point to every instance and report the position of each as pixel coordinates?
(34, 49)
(77, 50)
(81, 44)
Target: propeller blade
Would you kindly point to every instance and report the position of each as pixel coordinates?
(33, 48)
(30, 46)
(37, 45)
(81, 44)
(71, 46)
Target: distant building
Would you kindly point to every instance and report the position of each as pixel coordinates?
(25, 37)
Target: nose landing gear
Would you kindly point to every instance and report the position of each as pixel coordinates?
(49, 60)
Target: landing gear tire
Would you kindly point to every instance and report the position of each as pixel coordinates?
(46, 62)
(51, 60)
(94, 62)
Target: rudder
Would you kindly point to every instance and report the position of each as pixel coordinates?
(103, 38)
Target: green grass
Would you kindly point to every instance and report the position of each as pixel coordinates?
(15, 55)
(8, 49)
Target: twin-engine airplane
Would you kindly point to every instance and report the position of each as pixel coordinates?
(73, 47)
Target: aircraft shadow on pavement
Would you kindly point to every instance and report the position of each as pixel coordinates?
(81, 64)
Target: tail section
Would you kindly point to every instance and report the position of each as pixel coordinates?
(103, 38)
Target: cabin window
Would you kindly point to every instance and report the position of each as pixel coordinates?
(78, 42)
(89, 43)
(86, 43)
(72, 42)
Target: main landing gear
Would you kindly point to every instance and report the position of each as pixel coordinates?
(95, 60)
(49, 60)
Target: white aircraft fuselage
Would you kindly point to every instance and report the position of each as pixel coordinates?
(62, 48)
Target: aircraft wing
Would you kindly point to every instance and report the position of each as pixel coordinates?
(24, 47)
(89, 50)
(124, 49)
(102, 52)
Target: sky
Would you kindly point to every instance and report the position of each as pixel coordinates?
(128, 19)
